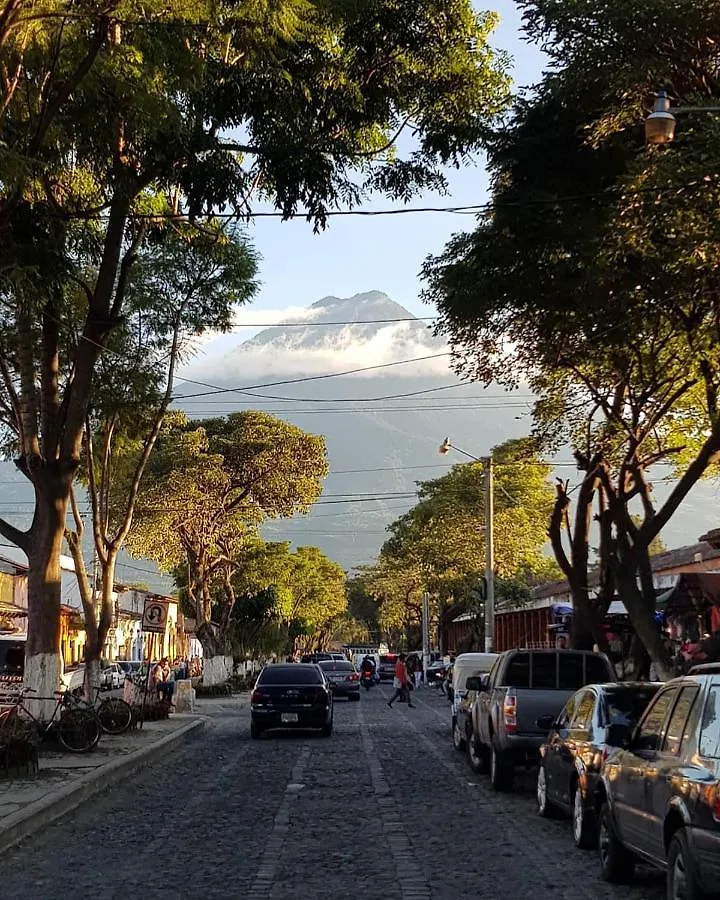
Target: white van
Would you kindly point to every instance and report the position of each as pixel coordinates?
(468, 664)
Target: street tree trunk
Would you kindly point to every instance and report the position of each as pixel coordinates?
(43, 658)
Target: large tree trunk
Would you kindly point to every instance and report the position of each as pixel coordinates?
(43, 658)
(102, 620)
(640, 609)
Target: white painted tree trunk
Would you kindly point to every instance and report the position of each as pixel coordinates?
(42, 674)
(216, 670)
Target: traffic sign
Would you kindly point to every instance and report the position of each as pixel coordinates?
(155, 615)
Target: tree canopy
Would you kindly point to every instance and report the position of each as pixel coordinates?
(593, 277)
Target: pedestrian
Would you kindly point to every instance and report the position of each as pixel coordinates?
(400, 682)
(417, 674)
(161, 680)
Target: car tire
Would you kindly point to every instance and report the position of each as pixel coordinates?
(546, 808)
(327, 729)
(457, 736)
(255, 731)
(617, 864)
(682, 879)
(477, 755)
(501, 770)
(584, 829)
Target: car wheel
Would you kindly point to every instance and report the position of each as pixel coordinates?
(501, 771)
(583, 823)
(477, 757)
(617, 864)
(458, 737)
(327, 729)
(545, 807)
(682, 883)
(255, 730)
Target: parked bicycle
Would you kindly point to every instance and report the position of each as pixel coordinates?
(113, 713)
(77, 729)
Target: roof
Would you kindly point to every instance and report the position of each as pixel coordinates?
(660, 562)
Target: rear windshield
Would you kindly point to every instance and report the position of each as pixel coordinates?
(296, 674)
(12, 657)
(625, 707)
(388, 659)
(337, 666)
(555, 671)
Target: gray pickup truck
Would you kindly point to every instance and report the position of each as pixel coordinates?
(523, 686)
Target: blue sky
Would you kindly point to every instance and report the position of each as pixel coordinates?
(382, 253)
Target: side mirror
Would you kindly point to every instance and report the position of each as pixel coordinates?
(545, 723)
(618, 735)
(474, 683)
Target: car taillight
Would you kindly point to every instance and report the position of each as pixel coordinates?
(510, 712)
(354, 677)
(321, 694)
(257, 697)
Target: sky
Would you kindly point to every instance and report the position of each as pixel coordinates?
(356, 254)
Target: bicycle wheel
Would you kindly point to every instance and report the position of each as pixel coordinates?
(115, 715)
(78, 731)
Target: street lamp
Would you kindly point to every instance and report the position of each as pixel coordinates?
(660, 124)
(487, 463)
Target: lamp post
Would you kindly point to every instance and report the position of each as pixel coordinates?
(488, 492)
(660, 124)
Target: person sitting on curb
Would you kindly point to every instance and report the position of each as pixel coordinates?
(161, 680)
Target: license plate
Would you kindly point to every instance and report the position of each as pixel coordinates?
(288, 717)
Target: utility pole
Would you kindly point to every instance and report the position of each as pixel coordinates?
(489, 556)
(425, 634)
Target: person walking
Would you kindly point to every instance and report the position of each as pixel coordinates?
(400, 682)
(417, 674)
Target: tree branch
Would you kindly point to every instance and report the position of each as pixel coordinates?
(21, 539)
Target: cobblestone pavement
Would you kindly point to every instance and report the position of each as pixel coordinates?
(383, 809)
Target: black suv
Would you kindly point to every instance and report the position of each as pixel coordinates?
(660, 796)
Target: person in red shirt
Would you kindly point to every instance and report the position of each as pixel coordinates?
(400, 682)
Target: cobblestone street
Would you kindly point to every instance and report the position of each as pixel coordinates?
(383, 809)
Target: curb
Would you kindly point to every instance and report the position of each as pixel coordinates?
(36, 816)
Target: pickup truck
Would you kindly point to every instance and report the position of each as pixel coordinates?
(522, 687)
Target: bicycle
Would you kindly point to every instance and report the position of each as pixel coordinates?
(78, 730)
(113, 713)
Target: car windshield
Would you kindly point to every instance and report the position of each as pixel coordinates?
(624, 707)
(295, 674)
(337, 667)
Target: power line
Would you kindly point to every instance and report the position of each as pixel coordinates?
(444, 387)
(312, 323)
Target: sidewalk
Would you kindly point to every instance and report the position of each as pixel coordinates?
(66, 780)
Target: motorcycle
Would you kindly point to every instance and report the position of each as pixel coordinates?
(367, 680)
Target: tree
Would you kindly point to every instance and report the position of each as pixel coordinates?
(209, 485)
(439, 545)
(183, 283)
(594, 278)
(117, 118)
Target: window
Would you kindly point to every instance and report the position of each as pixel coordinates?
(544, 671)
(650, 732)
(596, 670)
(518, 671)
(327, 666)
(710, 728)
(568, 712)
(678, 720)
(583, 718)
(295, 674)
(625, 706)
(493, 672)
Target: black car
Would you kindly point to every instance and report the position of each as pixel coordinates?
(660, 796)
(343, 677)
(577, 745)
(386, 671)
(291, 695)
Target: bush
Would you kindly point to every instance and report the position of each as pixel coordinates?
(213, 690)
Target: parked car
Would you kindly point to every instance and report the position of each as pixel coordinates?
(112, 677)
(386, 670)
(343, 677)
(522, 686)
(578, 744)
(466, 666)
(291, 695)
(315, 658)
(130, 666)
(437, 671)
(659, 801)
